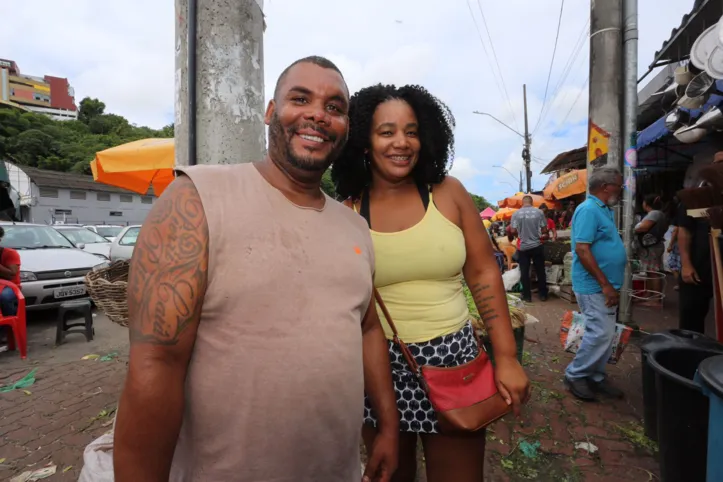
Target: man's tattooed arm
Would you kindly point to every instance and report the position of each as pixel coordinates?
(166, 289)
(167, 280)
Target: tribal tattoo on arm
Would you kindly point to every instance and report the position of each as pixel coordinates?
(484, 300)
(169, 268)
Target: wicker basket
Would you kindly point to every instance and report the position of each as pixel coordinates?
(108, 288)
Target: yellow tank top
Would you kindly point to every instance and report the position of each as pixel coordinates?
(419, 276)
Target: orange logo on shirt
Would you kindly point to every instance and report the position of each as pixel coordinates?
(357, 250)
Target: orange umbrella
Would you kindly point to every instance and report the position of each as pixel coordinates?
(137, 165)
(503, 214)
(570, 184)
(537, 201)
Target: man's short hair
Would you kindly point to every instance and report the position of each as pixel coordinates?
(601, 177)
(312, 59)
(527, 199)
(2, 232)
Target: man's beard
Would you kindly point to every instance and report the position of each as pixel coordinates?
(280, 147)
(612, 201)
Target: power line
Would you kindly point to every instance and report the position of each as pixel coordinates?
(500, 89)
(566, 70)
(499, 69)
(579, 94)
(552, 62)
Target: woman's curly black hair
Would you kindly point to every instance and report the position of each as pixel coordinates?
(350, 173)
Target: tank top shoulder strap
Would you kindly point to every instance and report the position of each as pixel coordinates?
(425, 192)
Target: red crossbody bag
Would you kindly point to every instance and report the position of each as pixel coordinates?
(464, 397)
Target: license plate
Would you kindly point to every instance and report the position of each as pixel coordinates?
(68, 292)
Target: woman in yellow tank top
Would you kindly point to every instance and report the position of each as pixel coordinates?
(428, 238)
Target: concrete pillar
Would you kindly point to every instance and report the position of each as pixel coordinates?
(606, 86)
(630, 143)
(229, 81)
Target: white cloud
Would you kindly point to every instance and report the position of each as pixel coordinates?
(465, 170)
(123, 53)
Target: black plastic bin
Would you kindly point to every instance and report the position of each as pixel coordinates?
(682, 413)
(659, 341)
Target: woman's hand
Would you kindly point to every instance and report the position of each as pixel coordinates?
(512, 382)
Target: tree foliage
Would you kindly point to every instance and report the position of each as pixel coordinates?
(35, 140)
(481, 202)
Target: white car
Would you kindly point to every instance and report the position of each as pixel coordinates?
(52, 270)
(108, 231)
(86, 240)
(122, 247)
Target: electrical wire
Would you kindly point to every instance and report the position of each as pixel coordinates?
(552, 63)
(579, 94)
(499, 69)
(502, 91)
(566, 70)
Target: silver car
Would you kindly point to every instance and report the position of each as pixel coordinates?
(108, 231)
(122, 247)
(51, 269)
(86, 240)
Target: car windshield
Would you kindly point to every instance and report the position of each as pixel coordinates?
(109, 231)
(18, 236)
(82, 235)
(130, 237)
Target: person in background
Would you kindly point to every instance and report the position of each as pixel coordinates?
(550, 217)
(428, 239)
(598, 269)
(650, 242)
(672, 250)
(252, 343)
(10, 271)
(566, 218)
(530, 225)
(696, 274)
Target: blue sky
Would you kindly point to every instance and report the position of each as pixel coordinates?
(122, 52)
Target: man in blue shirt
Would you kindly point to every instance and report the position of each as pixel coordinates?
(598, 269)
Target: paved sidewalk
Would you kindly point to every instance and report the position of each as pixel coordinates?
(73, 402)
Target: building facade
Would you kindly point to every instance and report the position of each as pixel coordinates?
(48, 197)
(52, 96)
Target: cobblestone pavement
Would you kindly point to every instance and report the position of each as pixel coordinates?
(73, 402)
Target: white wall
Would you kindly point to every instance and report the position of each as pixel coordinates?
(90, 210)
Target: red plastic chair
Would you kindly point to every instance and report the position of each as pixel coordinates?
(16, 323)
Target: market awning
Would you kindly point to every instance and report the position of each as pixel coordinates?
(487, 213)
(574, 159)
(657, 129)
(703, 14)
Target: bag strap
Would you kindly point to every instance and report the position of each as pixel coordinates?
(403, 346)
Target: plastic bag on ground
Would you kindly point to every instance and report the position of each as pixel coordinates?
(572, 329)
(98, 459)
(511, 278)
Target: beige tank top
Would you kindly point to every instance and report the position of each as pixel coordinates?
(275, 385)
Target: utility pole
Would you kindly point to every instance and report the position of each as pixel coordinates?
(629, 160)
(606, 73)
(521, 183)
(526, 153)
(219, 102)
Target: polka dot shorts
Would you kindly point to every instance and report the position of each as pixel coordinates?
(415, 410)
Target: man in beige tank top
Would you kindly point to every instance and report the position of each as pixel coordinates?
(252, 324)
